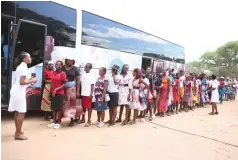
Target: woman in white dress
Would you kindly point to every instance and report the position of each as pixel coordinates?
(17, 102)
(215, 94)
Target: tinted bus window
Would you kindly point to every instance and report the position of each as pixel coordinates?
(101, 32)
(8, 8)
(60, 20)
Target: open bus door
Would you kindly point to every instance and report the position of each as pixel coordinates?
(30, 37)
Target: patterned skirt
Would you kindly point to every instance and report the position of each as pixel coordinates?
(45, 102)
(72, 106)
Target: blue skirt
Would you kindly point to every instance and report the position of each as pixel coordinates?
(102, 106)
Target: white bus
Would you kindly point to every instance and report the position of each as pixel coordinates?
(52, 31)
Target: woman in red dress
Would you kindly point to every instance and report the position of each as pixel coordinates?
(164, 94)
(176, 96)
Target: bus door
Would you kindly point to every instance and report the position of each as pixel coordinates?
(146, 62)
(158, 66)
(30, 37)
(6, 43)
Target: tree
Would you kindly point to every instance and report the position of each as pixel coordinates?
(223, 61)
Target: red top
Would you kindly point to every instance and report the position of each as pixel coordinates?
(222, 83)
(47, 74)
(175, 87)
(57, 80)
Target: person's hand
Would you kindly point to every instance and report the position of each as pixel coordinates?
(77, 95)
(54, 92)
(128, 98)
(33, 80)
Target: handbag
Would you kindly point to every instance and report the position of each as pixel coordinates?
(107, 97)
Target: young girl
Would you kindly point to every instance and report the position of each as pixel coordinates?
(100, 89)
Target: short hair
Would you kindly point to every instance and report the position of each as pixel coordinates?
(122, 72)
(23, 55)
(213, 76)
(104, 70)
(90, 65)
(65, 61)
(60, 62)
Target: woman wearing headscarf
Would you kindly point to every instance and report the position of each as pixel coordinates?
(45, 102)
(72, 107)
(17, 102)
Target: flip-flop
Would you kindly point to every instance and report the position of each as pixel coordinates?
(132, 122)
(118, 121)
(124, 123)
(87, 124)
(211, 113)
(21, 138)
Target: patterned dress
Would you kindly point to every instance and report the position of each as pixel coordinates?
(100, 104)
(137, 99)
(124, 86)
(188, 94)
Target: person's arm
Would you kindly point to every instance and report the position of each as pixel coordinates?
(78, 86)
(168, 87)
(63, 79)
(178, 87)
(23, 80)
(145, 87)
(92, 89)
(77, 82)
(115, 80)
(105, 89)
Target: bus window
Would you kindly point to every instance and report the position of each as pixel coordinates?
(31, 39)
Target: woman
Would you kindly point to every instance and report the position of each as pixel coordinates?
(198, 90)
(170, 100)
(45, 102)
(17, 102)
(203, 89)
(125, 87)
(188, 93)
(58, 80)
(176, 96)
(100, 89)
(112, 89)
(72, 107)
(222, 90)
(214, 95)
(164, 94)
(137, 102)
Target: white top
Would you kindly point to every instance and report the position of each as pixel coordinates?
(198, 82)
(87, 80)
(112, 88)
(18, 92)
(215, 94)
(181, 80)
(146, 80)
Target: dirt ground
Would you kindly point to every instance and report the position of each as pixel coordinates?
(188, 136)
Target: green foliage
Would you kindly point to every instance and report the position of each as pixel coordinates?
(223, 61)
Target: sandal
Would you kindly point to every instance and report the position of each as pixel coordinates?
(132, 122)
(81, 121)
(118, 121)
(111, 124)
(212, 113)
(71, 123)
(124, 123)
(216, 113)
(87, 124)
(21, 137)
(108, 122)
(150, 119)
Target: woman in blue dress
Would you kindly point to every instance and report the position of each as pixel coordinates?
(204, 88)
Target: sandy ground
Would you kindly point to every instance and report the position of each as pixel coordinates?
(187, 136)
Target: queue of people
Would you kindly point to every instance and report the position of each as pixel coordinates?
(67, 94)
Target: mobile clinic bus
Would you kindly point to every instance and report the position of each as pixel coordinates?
(51, 31)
